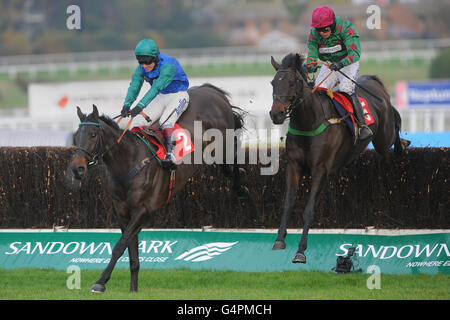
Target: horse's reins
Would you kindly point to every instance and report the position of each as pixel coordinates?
(129, 123)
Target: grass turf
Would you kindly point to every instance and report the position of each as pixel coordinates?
(183, 284)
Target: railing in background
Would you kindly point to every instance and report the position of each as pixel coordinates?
(380, 51)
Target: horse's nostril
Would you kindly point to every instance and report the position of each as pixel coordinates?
(79, 172)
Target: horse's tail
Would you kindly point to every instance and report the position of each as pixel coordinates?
(238, 115)
(398, 146)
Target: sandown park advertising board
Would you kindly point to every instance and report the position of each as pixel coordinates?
(218, 250)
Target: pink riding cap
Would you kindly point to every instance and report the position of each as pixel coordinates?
(322, 17)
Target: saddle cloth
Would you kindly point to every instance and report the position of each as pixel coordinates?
(344, 106)
(155, 137)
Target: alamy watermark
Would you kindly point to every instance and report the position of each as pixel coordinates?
(73, 21)
(374, 281)
(374, 19)
(221, 149)
(74, 280)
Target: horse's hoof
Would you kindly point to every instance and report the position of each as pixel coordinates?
(98, 288)
(243, 193)
(279, 245)
(299, 258)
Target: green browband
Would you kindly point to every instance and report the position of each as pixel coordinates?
(91, 123)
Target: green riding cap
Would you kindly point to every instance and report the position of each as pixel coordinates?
(147, 47)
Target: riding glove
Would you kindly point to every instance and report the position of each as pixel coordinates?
(336, 66)
(135, 111)
(125, 111)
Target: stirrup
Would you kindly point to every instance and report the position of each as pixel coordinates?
(169, 162)
(364, 132)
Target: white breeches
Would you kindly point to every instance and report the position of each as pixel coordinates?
(345, 85)
(162, 107)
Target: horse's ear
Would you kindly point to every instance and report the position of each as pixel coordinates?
(95, 111)
(81, 115)
(275, 64)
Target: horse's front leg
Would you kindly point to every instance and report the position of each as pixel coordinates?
(128, 239)
(120, 210)
(134, 263)
(318, 177)
(292, 178)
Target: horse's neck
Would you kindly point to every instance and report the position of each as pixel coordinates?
(309, 114)
(118, 158)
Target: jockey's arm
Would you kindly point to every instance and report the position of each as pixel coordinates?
(313, 52)
(165, 78)
(351, 42)
(135, 87)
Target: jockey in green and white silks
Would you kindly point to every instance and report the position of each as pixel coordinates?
(167, 97)
(336, 40)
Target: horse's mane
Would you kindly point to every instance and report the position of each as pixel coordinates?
(110, 122)
(294, 61)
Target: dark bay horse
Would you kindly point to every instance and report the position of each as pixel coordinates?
(317, 142)
(141, 185)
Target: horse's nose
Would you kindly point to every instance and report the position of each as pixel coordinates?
(79, 167)
(79, 172)
(276, 117)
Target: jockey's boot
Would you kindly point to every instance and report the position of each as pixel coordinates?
(169, 159)
(363, 131)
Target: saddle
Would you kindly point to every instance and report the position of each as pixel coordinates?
(153, 138)
(155, 141)
(344, 106)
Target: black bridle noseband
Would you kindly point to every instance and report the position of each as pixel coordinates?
(294, 99)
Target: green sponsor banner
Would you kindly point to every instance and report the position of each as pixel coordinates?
(239, 251)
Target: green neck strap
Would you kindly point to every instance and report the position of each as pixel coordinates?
(313, 133)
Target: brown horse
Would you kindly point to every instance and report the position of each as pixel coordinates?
(317, 142)
(140, 185)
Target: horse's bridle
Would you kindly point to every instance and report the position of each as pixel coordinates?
(96, 154)
(294, 99)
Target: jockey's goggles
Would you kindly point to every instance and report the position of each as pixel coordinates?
(324, 29)
(146, 59)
